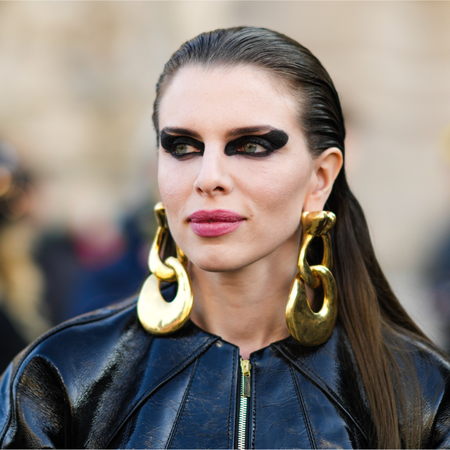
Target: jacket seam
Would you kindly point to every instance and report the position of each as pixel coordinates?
(324, 387)
(308, 425)
(157, 384)
(182, 406)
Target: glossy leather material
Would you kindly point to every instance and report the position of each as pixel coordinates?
(101, 381)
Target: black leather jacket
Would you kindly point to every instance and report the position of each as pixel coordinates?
(101, 381)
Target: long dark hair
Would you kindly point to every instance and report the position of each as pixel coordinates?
(368, 309)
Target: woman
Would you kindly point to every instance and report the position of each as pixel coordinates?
(250, 139)
(21, 320)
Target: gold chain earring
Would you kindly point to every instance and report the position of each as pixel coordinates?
(155, 314)
(308, 327)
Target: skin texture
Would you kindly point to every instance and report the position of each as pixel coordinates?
(241, 280)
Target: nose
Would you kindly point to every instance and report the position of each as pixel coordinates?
(213, 178)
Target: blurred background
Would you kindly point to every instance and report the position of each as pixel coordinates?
(77, 148)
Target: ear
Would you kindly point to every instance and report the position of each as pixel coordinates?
(326, 168)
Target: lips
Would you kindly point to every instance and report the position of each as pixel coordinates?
(214, 223)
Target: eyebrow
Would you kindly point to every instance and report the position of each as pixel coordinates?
(180, 131)
(235, 132)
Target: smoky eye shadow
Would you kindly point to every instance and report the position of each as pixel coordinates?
(169, 141)
(278, 138)
(271, 141)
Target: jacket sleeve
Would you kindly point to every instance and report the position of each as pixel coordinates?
(441, 429)
(34, 406)
(433, 372)
(5, 402)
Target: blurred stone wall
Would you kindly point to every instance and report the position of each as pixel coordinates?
(77, 86)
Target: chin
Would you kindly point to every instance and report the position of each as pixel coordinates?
(215, 264)
(216, 267)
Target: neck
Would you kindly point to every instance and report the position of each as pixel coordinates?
(247, 306)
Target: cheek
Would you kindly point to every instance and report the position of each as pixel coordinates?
(172, 194)
(282, 191)
(173, 183)
(176, 180)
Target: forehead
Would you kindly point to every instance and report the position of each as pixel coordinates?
(226, 97)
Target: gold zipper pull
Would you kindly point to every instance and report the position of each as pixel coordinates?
(246, 367)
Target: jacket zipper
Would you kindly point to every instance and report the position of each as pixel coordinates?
(243, 403)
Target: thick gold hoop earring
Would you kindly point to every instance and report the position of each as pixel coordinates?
(155, 314)
(306, 326)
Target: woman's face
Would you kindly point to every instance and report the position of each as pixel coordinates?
(234, 170)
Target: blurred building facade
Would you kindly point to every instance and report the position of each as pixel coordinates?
(77, 86)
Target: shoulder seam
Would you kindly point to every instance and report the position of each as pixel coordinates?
(81, 320)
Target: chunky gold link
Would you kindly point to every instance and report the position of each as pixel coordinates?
(161, 270)
(158, 316)
(315, 224)
(155, 314)
(308, 327)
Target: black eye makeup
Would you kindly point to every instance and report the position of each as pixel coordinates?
(181, 146)
(257, 145)
(252, 145)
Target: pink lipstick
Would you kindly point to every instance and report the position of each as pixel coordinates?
(216, 222)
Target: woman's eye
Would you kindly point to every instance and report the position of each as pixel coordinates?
(250, 147)
(184, 149)
(257, 146)
(181, 146)
(181, 149)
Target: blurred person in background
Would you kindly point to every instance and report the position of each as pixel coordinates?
(439, 279)
(438, 273)
(235, 340)
(21, 283)
(94, 263)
